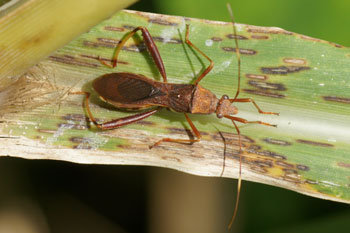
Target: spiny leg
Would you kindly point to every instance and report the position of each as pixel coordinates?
(246, 100)
(194, 129)
(116, 123)
(211, 65)
(151, 46)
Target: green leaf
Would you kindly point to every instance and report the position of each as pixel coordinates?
(302, 78)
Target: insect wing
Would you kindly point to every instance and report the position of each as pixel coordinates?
(125, 88)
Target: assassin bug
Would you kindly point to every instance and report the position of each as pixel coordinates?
(131, 91)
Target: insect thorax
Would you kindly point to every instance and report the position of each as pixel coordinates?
(203, 101)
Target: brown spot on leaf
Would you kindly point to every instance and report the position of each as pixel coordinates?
(162, 22)
(110, 41)
(104, 59)
(318, 40)
(132, 48)
(71, 61)
(336, 45)
(267, 85)
(257, 76)
(309, 181)
(313, 143)
(261, 163)
(264, 93)
(49, 131)
(284, 164)
(303, 167)
(267, 30)
(82, 147)
(277, 142)
(309, 38)
(259, 169)
(74, 117)
(170, 41)
(254, 147)
(83, 143)
(129, 27)
(121, 146)
(337, 99)
(216, 39)
(342, 164)
(72, 126)
(268, 154)
(296, 61)
(115, 29)
(290, 171)
(259, 37)
(242, 51)
(239, 37)
(77, 139)
(283, 70)
(291, 176)
(135, 48)
(92, 44)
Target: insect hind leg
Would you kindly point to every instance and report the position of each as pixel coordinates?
(116, 123)
(151, 46)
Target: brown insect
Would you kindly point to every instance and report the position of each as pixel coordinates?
(131, 91)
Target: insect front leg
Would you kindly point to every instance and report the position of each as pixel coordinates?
(244, 121)
(246, 100)
(194, 129)
(116, 123)
(151, 46)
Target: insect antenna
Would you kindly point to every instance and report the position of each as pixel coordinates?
(238, 54)
(239, 182)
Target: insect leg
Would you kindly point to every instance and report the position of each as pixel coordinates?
(117, 122)
(151, 46)
(194, 129)
(246, 100)
(211, 65)
(244, 121)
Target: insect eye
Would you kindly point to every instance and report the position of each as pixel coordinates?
(219, 115)
(225, 97)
